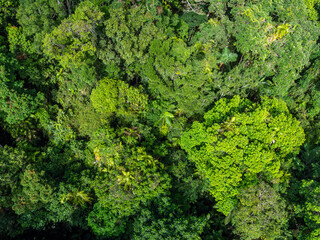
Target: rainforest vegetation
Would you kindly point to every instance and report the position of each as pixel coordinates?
(160, 119)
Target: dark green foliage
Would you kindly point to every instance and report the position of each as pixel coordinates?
(40, 17)
(304, 192)
(106, 130)
(105, 222)
(12, 161)
(7, 13)
(260, 214)
(126, 176)
(165, 220)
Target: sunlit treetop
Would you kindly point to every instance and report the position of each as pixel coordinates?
(240, 143)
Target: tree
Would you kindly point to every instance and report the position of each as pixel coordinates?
(74, 40)
(7, 13)
(313, 6)
(32, 194)
(274, 42)
(126, 177)
(35, 69)
(106, 127)
(182, 75)
(260, 214)
(39, 17)
(303, 193)
(153, 48)
(11, 162)
(304, 99)
(112, 96)
(128, 33)
(241, 143)
(309, 209)
(166, 221)
(16, 102)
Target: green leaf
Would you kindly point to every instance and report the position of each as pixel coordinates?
(227, 56)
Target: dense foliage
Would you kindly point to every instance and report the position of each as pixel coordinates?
(160, 119)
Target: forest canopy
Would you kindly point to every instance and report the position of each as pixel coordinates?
(160, 119)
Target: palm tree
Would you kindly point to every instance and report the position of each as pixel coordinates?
(125, 179)
(165, 121)
(78, 198)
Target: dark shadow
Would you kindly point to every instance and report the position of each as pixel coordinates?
(5, 138)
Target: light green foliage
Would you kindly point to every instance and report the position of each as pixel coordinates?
(105, 97)
(240, 142)
(105, 119)
(227, 56)
(165, 122)
(77, 198)
(313, 6)
(260, 214)
(86, 119)
(115, 96)
(18, 41)
(74, 40)
(127, 176)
